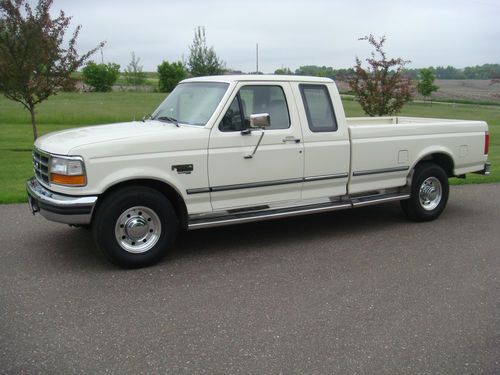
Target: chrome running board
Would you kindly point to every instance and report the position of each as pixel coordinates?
(376, 199)
(244, 216)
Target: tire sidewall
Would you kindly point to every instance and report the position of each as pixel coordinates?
(421, 174)
(110, 210)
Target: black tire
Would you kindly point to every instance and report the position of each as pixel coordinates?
(429, 193)
(124, 216)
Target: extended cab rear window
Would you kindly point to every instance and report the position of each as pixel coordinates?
(319, 108)
(253, 99)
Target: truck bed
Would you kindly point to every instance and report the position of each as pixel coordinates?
(397, 143)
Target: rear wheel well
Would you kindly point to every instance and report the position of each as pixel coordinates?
(443, 160)
(168, 191)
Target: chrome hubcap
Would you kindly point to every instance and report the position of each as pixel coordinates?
(138, 229)
(430, 193)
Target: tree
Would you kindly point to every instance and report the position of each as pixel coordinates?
(101, 77)
(425, 84)
(323, 71)
(34, 61)
(449, 72)
(203, 61)
(133, 72)
(283, 71)
(381, 89)
(170, 75)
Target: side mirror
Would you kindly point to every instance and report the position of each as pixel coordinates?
(260, 120)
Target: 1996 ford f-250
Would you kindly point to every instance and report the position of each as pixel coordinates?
(233, 149)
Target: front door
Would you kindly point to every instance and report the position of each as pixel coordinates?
(238, 177)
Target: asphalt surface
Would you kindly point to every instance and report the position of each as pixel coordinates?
(353, 292)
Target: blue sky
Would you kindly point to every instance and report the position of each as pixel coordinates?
(290, 33)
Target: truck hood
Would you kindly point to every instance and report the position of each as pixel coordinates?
(74, 141)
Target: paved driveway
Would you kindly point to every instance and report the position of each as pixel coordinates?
(361, 291)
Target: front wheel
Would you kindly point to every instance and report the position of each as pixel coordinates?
(135, 226)
(429, 193)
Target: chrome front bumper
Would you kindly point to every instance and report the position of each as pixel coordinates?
(58, 207)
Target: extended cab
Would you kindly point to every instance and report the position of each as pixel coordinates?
(233, 149)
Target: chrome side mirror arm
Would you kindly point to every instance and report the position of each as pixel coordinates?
(250, 156)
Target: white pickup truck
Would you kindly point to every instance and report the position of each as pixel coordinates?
(233, 149)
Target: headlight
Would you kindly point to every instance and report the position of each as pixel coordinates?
(67, 171)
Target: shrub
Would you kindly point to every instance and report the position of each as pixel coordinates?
(170, 74)
(101, 77)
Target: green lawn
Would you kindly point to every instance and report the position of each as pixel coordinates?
(59, 112)
(77, 109)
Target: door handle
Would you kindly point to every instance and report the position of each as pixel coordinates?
(291, 138)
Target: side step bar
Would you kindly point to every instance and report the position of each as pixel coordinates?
(228, 218)
(376, 199)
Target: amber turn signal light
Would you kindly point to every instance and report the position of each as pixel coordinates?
(67, 180)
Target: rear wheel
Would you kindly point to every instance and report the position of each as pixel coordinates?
(429, 193)
(135, 226)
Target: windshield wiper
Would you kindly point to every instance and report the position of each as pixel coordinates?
(169, 119)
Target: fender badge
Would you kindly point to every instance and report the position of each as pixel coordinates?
(183, 168)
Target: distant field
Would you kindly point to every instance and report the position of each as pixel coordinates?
(68, 110)
(479, 91)
(467, 89)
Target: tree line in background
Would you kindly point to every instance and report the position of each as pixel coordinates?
(485, 71)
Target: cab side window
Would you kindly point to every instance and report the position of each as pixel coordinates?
(255, 99)
(319, 109)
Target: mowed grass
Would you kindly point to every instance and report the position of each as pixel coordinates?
(62, 111)
(68, 110)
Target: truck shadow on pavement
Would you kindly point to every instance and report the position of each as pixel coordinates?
(259, 237)
(264, 235)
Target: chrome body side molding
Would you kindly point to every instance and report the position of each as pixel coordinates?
(378, 171)
(326, 177)
(266, 183)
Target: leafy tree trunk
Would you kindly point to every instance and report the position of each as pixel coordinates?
(33, 122)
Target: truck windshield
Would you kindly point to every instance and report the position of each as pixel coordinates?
(191, 103)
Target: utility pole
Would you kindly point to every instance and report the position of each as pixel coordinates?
(102, 56)
(257, 58)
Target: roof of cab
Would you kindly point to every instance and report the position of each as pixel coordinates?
(258, 77)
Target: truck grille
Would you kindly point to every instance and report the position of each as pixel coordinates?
(41, 166)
